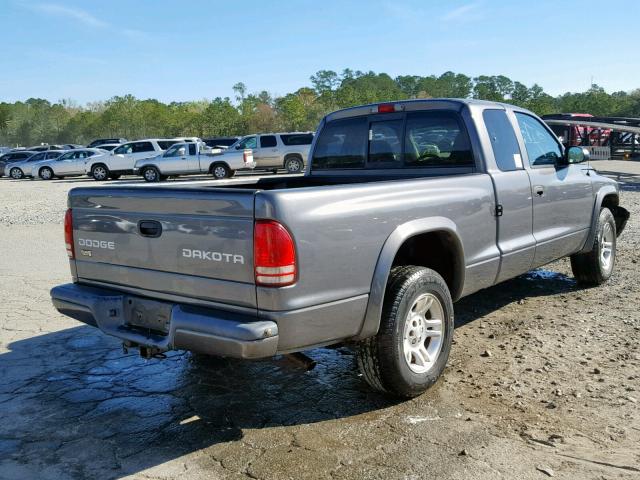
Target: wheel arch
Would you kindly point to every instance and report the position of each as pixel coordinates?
(607, 196)
(432, 231)
(218, 162)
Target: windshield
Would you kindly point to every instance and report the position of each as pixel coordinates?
(174, 150)
(247, 142)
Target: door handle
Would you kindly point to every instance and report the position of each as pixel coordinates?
(183, 158)
(150, 228)
(539, 190)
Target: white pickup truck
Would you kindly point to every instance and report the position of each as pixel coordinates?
(123, 158)
(194, 158)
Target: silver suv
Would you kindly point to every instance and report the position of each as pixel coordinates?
(272, 151)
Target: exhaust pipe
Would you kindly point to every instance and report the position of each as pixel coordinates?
(302, 360)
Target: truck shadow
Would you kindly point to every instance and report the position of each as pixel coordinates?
(72, 401)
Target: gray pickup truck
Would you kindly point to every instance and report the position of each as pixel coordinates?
(404, 208)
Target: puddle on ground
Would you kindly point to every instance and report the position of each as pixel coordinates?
(541, 274)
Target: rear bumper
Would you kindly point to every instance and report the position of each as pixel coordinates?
(182, 327)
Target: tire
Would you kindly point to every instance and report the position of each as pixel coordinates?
(16, 173)
(45, 173)
(293, 164)
(99, 172)
(596, 266)
(151, 174)
(220, 171)
(393, 360)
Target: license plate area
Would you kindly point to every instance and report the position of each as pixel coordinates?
(147, 315)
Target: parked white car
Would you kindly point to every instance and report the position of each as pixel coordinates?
(272, 151)
(193, 158)
(69, 164)
(24, 169)
(123, 158)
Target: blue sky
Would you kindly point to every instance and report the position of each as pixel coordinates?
(189, 50)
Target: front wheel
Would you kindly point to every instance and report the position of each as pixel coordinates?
(99, 172)
(412, 346)
(16, 173)
(596, 266)
(151, 174)
(46, 173)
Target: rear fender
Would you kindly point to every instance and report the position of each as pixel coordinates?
(385, 261)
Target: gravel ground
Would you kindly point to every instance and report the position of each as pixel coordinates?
(544, 380)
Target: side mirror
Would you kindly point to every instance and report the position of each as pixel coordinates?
(577, 155)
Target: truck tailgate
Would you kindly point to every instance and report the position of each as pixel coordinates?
(191, 242)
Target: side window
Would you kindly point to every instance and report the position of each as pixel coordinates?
(436, 139)
(268, 141)
(342, 144)
(385, 142)
(249, 142)
(542, 147)
(140, 147)
(503, 140)
(297, 139)
(192, 149)
(37, 157)
(165, 144)
(124, 149)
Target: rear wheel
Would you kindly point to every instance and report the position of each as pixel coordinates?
(151, 174)
(16, 173)
(412, 346)
(99, 172)
(596, 266)
(220, 171)
(293, 164)
(45, 173)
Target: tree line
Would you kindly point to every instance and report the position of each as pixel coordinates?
(37, 120)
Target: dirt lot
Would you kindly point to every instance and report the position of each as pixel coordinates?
(544, 380)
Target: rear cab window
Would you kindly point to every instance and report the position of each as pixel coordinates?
(420, 139)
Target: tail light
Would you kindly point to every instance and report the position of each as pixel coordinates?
(386, 108)
(274, 255)
(248, 156)
(68, 233)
